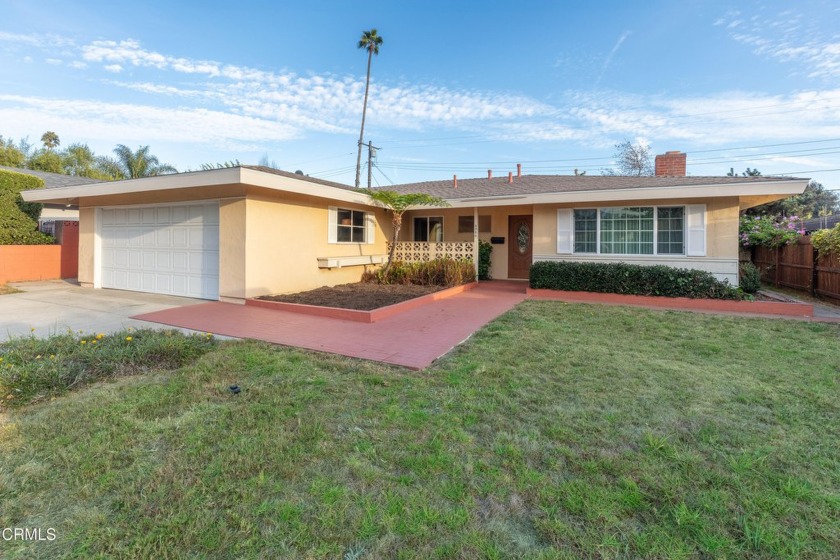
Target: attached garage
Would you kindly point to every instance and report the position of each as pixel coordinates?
(164, 249)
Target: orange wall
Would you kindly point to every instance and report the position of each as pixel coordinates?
(19, 263)
(22, 263)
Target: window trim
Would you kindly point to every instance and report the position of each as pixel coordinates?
(655, 253)
(333, 226)
(427, 218)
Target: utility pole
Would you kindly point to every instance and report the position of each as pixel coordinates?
(371, 151)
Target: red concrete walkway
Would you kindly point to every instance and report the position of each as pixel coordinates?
(413, 339)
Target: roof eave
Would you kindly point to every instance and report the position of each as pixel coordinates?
(198, 179)
(784, 188)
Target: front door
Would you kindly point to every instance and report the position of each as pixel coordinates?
(520, 243)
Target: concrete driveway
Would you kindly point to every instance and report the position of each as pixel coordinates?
(58, 305)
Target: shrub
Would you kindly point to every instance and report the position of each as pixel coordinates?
(438, 272)
(34, 368)
(769, 231)
(750, 278)
(19, 219)
(623, 278)
(484, 250)
(827, 241)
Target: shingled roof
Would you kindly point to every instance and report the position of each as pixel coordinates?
(539, 184)
(54, 180)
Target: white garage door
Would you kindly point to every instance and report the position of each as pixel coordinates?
(162, 249)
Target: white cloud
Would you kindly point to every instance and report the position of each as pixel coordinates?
(54, 61)
(128, 123)
(115, 68)
(787, 38)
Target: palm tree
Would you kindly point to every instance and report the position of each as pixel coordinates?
(50, 140)
(370, 41)
(134, 165)
(398, 203)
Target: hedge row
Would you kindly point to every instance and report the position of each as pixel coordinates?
(19, 219)
(632, 279)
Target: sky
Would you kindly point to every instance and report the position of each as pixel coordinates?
(457, 88)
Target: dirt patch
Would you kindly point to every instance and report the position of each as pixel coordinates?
(361, 296)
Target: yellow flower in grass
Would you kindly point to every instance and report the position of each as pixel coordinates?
(100, 336)
(52, 356)
(129, 338)
(93, 342)
(32, 329)
(83, 342)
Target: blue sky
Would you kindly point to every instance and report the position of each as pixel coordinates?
(458, 88)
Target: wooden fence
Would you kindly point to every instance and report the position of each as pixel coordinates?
(798, 267)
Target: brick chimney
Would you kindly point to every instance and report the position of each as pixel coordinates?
(670, 164)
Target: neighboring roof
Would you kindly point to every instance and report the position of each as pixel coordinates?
(54, 180)
(544, 184)
(299, 177)
(823, 222)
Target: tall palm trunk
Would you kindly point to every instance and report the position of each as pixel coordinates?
(362, 133)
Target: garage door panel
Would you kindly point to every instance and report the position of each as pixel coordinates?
(162, 249)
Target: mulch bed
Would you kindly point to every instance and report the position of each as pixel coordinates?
(361, 296)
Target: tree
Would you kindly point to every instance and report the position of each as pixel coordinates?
(223, 165)
(50, 140)
(398, 203)
(631, 159)
(370, 41)
(134, 165)
(11, 155)
(748, 173)
(45, 159)
(80, 161)
(815, 201)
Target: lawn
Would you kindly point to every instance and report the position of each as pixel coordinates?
(558, 431)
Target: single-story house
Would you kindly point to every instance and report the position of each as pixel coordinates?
(241, 232)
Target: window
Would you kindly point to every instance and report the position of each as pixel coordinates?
(350, 226)
(670, 225)
(627, 231)
(586, 231)
(428, 229)
(638, 230)
(465, 224)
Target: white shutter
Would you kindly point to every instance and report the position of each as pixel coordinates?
(332, 225)
(564, 231)
(370, 220)
(695, 217)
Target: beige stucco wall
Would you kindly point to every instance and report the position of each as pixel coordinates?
(87, 234)
(498, 228)
(721, 237)
(286, 235)
(232, 247)
(269, 243)
(721, 234)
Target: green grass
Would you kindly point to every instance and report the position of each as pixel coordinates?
(32, 369)
(558, 431)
